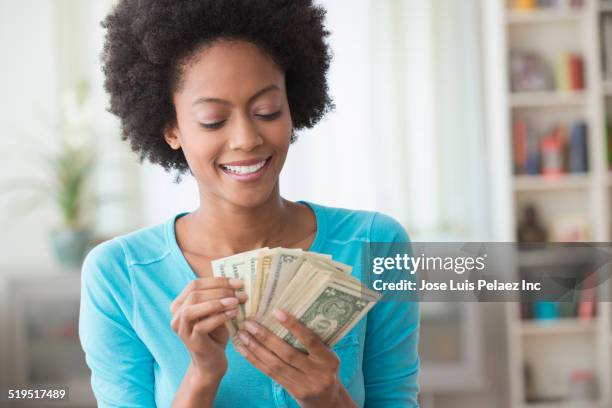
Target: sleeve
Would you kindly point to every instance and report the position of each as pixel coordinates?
(121, 365)
(391, 361)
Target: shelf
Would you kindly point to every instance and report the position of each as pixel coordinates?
(541, 183)
(562, 326)
(563, 404)
(543, 16)
(547, 98)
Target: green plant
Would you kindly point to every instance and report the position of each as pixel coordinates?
(67, 167)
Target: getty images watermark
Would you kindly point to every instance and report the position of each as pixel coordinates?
(487, 271)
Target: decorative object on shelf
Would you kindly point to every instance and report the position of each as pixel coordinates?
(567, 309)
(548, 3)
(546, 310)
(524, 4)
(570, 228)
(552, 148)
(587, 304)
(69, 168)
(530, 229)
(576, 4)
(583, 386)
(529, 72)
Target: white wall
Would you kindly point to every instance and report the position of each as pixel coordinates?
(28, 85)
(27, 102)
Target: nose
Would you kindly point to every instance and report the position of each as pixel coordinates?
(245, 135)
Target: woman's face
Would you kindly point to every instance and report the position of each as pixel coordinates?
(233, 122)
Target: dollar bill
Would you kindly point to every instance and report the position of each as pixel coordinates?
(279, 275)
(218, 269)
(333, 311)
(314, 288)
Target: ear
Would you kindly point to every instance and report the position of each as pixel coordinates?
(172, 135)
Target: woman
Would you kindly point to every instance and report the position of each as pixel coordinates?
(217, 88)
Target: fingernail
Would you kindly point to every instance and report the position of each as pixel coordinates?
(251, 327)
(244, 338)
(242, 296)
(280, 315)
(231, 301)
(241, 350)
(237, 283)
(231, 313)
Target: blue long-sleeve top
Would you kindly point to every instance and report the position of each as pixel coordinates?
(136, 360)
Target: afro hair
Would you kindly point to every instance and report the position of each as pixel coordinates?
(148, 41)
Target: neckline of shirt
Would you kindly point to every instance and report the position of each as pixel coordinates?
(178, 254)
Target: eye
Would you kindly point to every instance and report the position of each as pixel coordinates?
(212, 126)
(270, 116)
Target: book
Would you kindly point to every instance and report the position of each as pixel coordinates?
(532, 163)
(609, 142)
(576, 72)
(607, 44)
(578, 152)
(519, 139)
(562, 71)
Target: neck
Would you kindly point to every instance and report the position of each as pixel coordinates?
(226, 229)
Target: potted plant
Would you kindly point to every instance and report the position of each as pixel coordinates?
(66, 181)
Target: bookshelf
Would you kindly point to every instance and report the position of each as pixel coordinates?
(547, 357)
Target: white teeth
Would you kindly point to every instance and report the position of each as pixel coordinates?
(245, 169)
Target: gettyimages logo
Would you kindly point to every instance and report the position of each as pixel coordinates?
(488, 272)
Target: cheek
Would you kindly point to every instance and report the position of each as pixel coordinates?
(280, 135)
(201, 149)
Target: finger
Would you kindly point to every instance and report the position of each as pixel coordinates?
(200, 296)
(262, 358)
(210, 323)
(188, 315)
(203, 284)
(309, 339)
(281, 348)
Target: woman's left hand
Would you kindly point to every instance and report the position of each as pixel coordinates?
(312, 379)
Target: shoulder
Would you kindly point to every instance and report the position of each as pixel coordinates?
(107, 264)
(142, 246)
(371, 226)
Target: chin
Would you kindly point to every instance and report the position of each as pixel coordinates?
(250, 199)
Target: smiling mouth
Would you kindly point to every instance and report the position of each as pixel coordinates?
(244, 170)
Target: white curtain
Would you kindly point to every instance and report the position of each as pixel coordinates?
(407, 136)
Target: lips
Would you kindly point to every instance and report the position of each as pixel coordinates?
(246, 170)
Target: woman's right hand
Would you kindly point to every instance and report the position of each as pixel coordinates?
(198, 317)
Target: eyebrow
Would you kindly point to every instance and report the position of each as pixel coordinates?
(224, 102)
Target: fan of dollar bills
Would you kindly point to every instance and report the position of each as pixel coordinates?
(318, 291)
